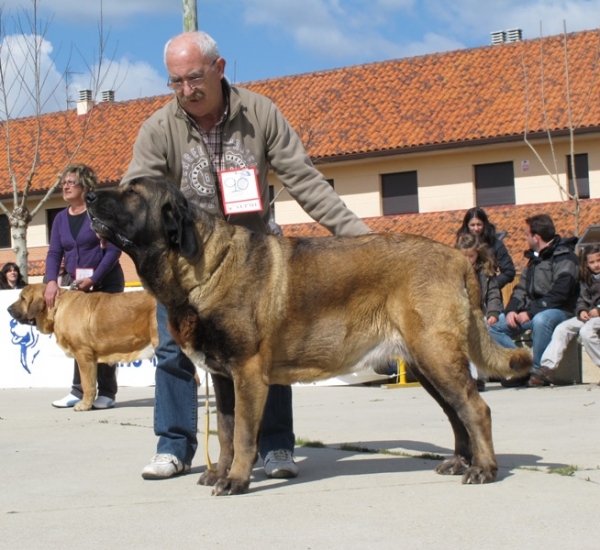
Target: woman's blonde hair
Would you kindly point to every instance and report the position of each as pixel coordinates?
(87, 177)
(485, 261)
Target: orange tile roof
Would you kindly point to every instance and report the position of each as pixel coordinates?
(452, 98)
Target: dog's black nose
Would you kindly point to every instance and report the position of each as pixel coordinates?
(90, 197)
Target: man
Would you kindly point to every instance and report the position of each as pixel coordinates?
(205, 138)
(545, 295)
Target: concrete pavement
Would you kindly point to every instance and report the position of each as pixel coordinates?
(73, 479)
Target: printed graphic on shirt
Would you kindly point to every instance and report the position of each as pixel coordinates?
(199, 176)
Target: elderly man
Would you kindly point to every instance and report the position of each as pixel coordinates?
(212, 132)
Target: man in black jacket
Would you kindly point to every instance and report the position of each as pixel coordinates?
(546, 293)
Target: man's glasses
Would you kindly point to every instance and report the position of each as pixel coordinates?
(194, 83)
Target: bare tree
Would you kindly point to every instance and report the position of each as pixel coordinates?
(570, 197)
(25, 81)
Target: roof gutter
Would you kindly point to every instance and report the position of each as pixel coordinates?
(430, 147)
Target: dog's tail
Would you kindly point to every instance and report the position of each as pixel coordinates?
(488, 355)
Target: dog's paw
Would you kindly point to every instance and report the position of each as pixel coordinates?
(208, 478)
(477, 475)
(81, 406)
(453, 466)
(228, 486)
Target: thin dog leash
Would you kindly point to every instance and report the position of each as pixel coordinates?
(209, 464)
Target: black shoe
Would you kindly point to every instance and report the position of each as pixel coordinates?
(541, 377)
(515, 381)
(480, 385)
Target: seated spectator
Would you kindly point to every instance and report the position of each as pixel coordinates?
(586, 322)
(10, 276)
(545, 295)
(476, 222)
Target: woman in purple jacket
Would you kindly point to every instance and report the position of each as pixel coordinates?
(91, 266)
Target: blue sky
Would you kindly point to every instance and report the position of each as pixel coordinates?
(270, 38)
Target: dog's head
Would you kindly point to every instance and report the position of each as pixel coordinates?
(144, 216)
(30, 308)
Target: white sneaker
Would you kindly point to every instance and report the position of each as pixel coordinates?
(103, 402)
(163, 466)
(280, 463)
(66, 402)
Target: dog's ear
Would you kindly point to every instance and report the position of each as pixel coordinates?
(181, 229)
(36, 307)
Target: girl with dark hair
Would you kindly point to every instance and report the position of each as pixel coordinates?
(476, 222)
(478, 254)
(586, 322)
(10, 276)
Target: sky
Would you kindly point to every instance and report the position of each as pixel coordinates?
(259, 39)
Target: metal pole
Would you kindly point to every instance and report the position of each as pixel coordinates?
(190, 15)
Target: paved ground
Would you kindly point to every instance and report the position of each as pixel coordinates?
(73, 479)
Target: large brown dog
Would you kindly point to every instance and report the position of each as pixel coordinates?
(93, 328)
(259, 310)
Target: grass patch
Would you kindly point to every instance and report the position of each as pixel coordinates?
(300, 442)
(530, 468)
(356, 448)
(564, 471)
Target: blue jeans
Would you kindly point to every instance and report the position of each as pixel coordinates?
(542, 326)
(176, 403)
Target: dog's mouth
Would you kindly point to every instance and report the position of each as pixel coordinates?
(108, 233)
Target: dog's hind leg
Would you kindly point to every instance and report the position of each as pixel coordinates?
(88, 372)
(450, 384)
(225, 398)
(250, 397)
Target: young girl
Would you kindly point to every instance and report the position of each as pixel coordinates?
(477, 252)
(586, 321)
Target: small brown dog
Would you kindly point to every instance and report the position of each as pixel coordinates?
(93, 328)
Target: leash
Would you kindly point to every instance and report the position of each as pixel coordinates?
(209, 464)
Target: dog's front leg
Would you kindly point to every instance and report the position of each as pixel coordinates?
(88, 373)
(225, 398)
(250, 398)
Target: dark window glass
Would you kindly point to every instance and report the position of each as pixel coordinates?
(399, 193)
(494, 184)
(582, 175)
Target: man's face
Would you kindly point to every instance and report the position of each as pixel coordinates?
(532, 240)
(185, 63)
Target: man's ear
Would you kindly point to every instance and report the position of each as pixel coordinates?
(180, 229)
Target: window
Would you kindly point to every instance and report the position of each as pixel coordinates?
(582, 175)
(51, 213)
(494, 184)
(399, 193)
(4, 231)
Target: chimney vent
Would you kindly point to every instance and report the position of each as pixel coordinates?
(514, 35)
(85, 103)
(498, 37)
(108, 95)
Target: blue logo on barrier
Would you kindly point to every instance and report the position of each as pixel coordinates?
(26, 337)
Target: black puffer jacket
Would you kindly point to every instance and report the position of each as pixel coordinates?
(549, 281)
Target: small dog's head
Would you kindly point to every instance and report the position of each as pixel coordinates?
(30, 305)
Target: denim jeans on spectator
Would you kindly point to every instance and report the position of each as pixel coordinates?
(542, 326)
(176, 403)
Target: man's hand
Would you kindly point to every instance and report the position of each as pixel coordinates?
(515, 320)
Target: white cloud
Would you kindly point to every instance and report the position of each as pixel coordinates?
(128, 80)
(19, 77)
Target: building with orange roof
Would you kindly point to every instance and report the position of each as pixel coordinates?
(409, 144)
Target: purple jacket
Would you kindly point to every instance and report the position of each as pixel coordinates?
(84, 252)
